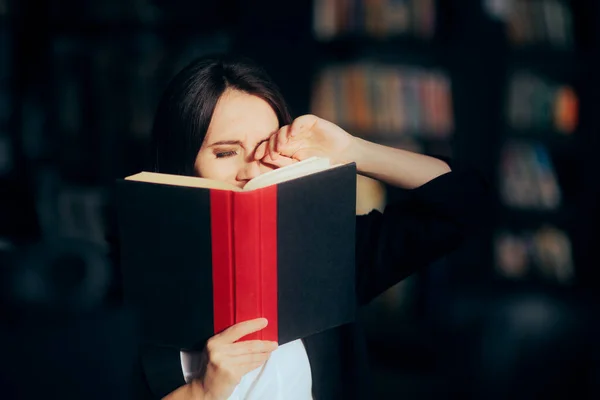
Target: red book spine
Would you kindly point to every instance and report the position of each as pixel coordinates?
(245, 283)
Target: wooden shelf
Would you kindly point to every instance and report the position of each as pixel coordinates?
(526, 219)
(131, 26)
(549, 137)
(394, 49)
(559, 65)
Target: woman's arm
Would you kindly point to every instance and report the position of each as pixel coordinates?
(311, 136)
(440, 211)
(395, 167)
(189, 391)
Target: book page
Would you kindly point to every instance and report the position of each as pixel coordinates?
(180, 180)
(305, 167)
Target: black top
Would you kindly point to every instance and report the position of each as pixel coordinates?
(423, 225)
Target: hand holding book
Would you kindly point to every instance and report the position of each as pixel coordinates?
(225, 360)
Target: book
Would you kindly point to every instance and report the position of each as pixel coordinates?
(377, 100)
(199, 255)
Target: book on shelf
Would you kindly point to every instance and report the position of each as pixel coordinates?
(6, 61)
(69, 210)
(546, 22)
(536, 103)
(544, 253)
(527, 177)
(4, 8)
(95, 76)
(378, 19)
(385, 100)
(199, 255)
(6, 154)
(107, 11)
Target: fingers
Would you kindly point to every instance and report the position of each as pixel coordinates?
(283, 143)
(251, 346)
(245, 359)
(272, 149)
(239, 330)
(280, 161)
(261, 150)
(302, 124)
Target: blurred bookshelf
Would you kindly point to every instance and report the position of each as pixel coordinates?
(380, 73)
(499, 84)
(417, 56)
(85, 114)
(384, 76)
(538, 158)
(508, 86)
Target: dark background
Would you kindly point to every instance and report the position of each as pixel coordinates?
(79, 83)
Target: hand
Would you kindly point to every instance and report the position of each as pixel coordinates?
(306, 137)
(227, 361)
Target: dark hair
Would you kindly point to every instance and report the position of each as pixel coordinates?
(187, 106)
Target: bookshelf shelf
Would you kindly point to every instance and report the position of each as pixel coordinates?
(549, 137)
(523, 218)
(395, 49)
(539, 53)
(125, 27)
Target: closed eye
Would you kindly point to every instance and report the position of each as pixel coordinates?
(226, 154)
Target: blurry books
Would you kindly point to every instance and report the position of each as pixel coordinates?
(534, 103)
(67, 211)
(5, 76)
(105, 94)
(6, 154)
(6, 148)
(546, 22)
(107, 10)
(371, 99)
(527, 177)
(380, 18)
(543, 253)
(4, 6)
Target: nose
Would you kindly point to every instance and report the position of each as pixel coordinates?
(249, 171)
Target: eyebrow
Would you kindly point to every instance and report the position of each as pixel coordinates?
(235, 142)
(222, 142)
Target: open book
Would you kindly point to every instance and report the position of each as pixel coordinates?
(199, 256)
(297, 170)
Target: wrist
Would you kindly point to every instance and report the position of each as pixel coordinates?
(197, 391)
(356, 152)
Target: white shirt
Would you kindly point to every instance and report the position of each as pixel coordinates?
(285, 376)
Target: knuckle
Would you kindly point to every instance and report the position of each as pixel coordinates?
(216, 359)
(211, 345)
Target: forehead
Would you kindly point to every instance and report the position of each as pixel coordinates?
(240, 116)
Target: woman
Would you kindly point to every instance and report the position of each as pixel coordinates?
(223, 118)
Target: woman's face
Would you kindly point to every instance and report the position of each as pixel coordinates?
(240, 123)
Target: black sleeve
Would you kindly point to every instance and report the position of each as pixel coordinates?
(425, 224)
(161, 369)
